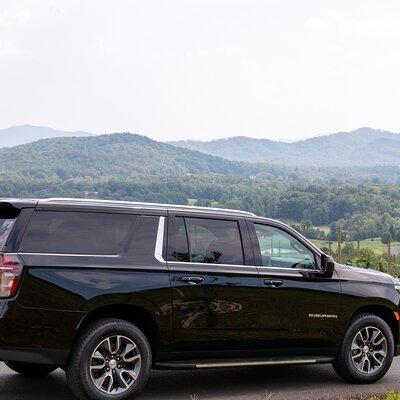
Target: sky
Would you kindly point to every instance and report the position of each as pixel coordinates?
(201, 69)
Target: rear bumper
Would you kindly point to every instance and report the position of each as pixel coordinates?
(34, 356)
(36, 336)
(397, 350)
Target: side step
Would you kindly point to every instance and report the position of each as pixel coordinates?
(241, 362)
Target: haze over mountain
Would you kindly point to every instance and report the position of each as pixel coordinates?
(362, 147)
(22, 134)
(117, 155)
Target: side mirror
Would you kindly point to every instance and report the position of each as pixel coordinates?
(327, 265)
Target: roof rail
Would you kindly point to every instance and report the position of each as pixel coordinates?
(144, 204)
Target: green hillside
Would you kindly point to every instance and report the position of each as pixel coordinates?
(119, 155)
(363, 147)
(132, 167)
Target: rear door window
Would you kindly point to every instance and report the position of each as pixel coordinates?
(57, 232)
(6, 224)
(211, 241)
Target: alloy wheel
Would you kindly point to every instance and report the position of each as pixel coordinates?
(369, 349)
(115, 364)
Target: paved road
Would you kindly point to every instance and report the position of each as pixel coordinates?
(293, 383)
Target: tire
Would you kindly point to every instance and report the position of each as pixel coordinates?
(105, 364)
(31, 370)
(367, 350)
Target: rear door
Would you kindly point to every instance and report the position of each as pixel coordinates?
(213, 280)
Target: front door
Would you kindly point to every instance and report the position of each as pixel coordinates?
(214, 284)
(297, 311)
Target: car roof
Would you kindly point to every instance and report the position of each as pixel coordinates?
(112, 204)
(7, 203)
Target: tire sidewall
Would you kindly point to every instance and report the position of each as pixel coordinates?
(94, 339)
(368, 320)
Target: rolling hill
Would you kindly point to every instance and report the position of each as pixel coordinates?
(22, 134)
(362, 147)
(117, 155)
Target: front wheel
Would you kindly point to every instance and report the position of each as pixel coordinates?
(30, 370)
(367, 350)
(111, 360)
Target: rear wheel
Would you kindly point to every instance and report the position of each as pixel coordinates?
(31, 370)
(367, 350)
(111, 360)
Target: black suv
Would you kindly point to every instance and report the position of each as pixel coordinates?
(108, 290)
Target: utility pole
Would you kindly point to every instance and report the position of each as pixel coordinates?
(389, 255)
(358, 248)
(339, 234)
(330, 247)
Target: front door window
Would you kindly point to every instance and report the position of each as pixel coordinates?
(279, 249)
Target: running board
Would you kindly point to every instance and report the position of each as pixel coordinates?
(232, 363)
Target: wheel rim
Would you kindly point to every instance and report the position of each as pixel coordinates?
(115, 364)
(369, 350)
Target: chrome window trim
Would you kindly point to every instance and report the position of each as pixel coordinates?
(287, 269)
(211, 264)
(158, 250)
(71, 255)
(242, 265)
(262, 270)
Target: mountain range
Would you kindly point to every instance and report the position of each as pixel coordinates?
(362, 147)
(22, 134)
(116, 155)
(82, 154)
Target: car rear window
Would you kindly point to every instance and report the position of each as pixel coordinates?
(57, 232)
(6, 224)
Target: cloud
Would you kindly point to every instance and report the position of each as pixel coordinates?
(352, 24)
(106, 49)
(14, 17)
(8, 48)
(55, 8)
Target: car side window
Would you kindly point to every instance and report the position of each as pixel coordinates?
(70, 232)
(181, 250)
(279, 249)
(204, 240)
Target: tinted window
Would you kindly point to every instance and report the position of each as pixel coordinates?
(181, 248)
(281, 250)
(208, 241)
(77, 233)
(6, 224)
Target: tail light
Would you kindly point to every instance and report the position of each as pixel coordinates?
(10, 275)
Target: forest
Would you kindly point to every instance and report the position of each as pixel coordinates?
(364, 202)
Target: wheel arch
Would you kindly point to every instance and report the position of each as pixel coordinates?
(136, 315)
(383, 312)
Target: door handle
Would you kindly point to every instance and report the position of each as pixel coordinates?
(192, 280)
(272, 283)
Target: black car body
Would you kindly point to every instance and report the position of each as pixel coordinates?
(257, 292)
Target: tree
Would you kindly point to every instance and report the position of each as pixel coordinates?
(368, 259)
(349, 251)
(386, 238)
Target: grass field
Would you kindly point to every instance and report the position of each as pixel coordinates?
(389, 396)
(374, 244)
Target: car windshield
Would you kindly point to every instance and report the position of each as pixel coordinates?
(5, 228)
